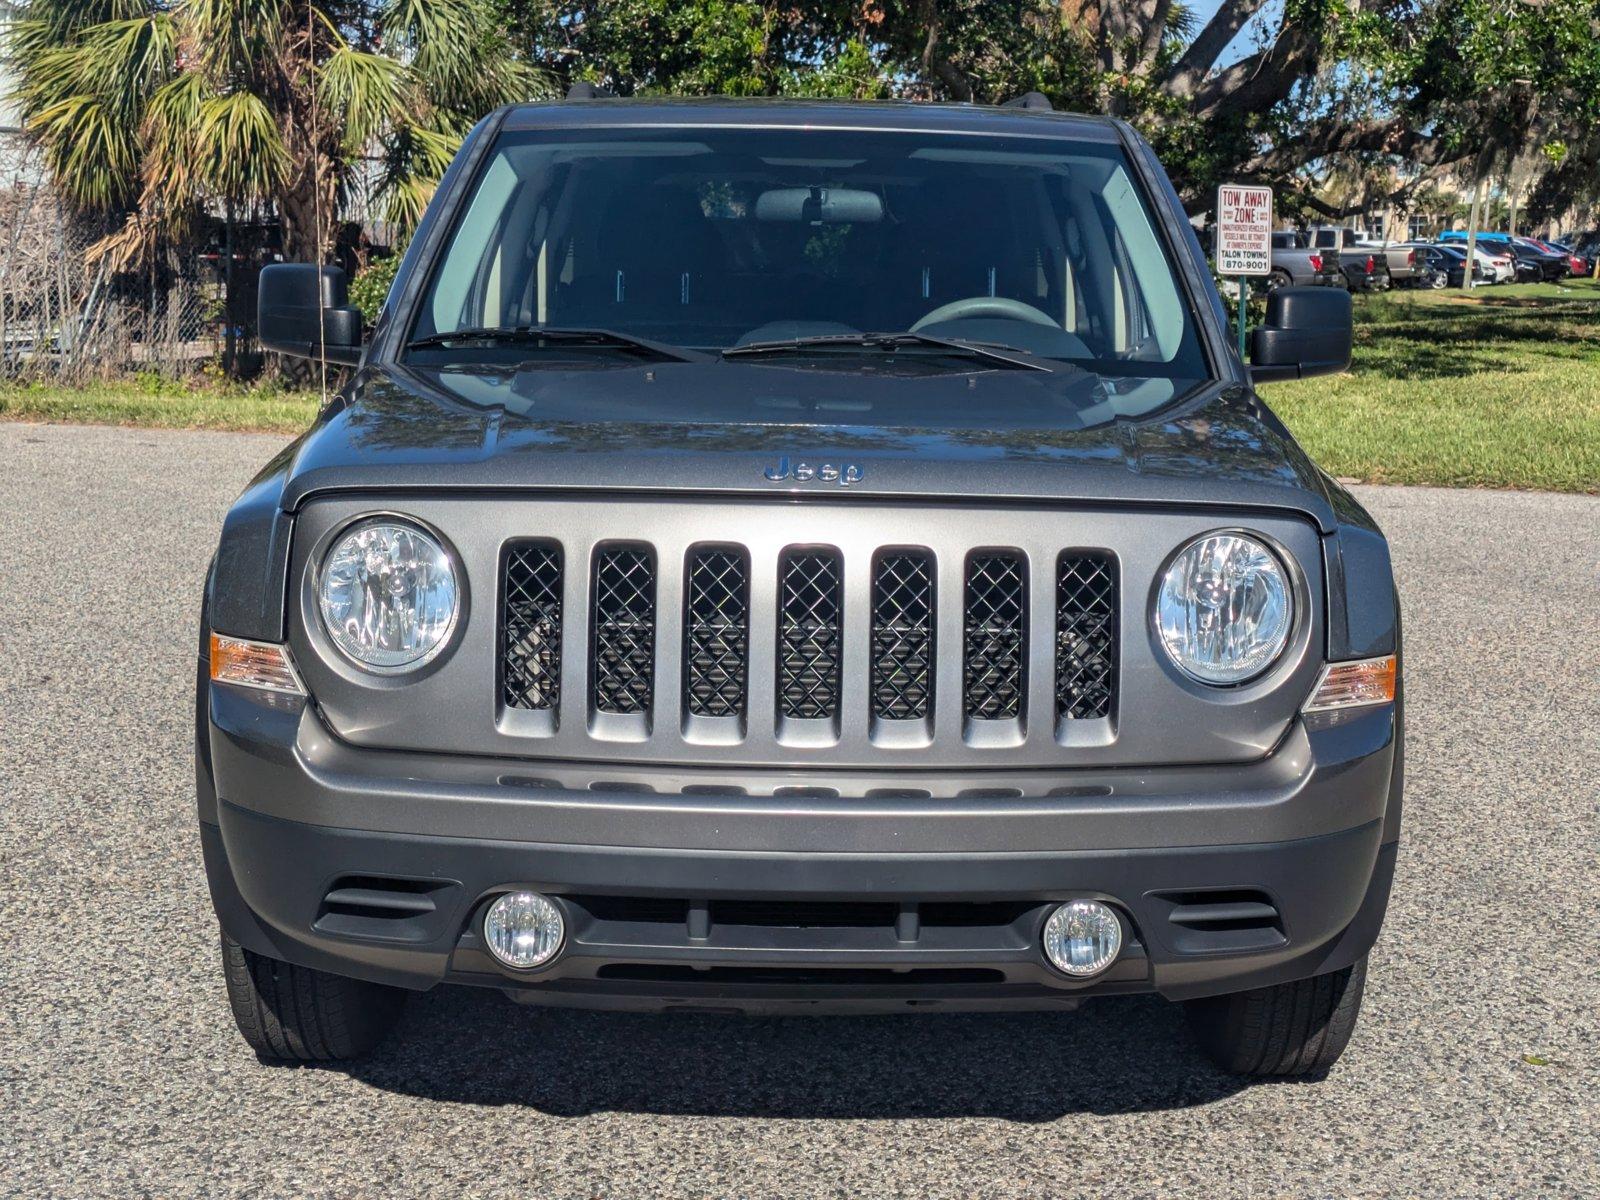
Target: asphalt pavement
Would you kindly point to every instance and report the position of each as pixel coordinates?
(1475, 1070)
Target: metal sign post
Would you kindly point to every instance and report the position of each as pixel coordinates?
(1243, 244)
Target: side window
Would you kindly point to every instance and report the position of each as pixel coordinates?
(473, 260)
(1150, 310)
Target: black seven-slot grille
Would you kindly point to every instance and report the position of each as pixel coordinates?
(810, 673)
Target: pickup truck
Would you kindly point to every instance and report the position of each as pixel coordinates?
(797, 557)
(1365, 270)
(1298, 265)
(1400, 259)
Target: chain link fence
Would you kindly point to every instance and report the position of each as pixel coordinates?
(66, 317)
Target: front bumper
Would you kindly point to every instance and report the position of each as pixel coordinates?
(781, 894)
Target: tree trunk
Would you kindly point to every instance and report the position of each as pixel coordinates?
(1472, 230)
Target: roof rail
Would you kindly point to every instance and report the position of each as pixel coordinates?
(584, 90)
(1032, 101)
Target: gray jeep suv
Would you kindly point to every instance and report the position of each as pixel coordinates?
(791, 558)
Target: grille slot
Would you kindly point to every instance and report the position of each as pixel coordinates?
(810, 609)
(717, 634)
(1086, 636)
(530, 651)
(995, 638)
(624, 628)
(902, 636)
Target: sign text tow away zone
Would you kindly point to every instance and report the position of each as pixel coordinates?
(1244, 230)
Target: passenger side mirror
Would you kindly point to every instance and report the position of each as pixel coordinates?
(1308, 332)
(303, 310)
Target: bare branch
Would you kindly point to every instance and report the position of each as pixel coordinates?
(1191, 68)
(1328, 136)
(1256, 83)
(1155, 29)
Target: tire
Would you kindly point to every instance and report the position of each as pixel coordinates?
(1298, 1028)
(1279, 279)
(298, 1014)
(1438, 280)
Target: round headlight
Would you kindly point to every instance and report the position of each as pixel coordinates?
(1224, 609)
(388, 594)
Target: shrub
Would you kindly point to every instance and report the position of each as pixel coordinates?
(370, 288)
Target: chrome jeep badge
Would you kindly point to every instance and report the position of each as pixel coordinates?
(844, 474)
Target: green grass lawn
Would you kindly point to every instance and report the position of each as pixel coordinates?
(151, 401)
(1497, 389)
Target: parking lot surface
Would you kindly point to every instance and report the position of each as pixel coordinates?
(1475, 1070)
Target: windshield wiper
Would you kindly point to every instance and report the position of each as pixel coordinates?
(994, 352)
(555, 335)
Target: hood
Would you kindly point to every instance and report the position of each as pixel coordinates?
(765, 428)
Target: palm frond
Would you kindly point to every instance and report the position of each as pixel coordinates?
(238, 149)
(439, 38)
(233, 39)
(92, 153)
(49, 24)
(413, 163)
(171, 132)
(125, 61)
(368, 91)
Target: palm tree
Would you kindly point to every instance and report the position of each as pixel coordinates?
(154, 109)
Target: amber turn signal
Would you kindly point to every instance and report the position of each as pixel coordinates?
(264, 665)
(1354, 684)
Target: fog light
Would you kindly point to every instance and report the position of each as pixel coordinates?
(1082, 938)
(523, 930)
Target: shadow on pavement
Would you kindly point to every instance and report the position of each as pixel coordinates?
(468, 1046)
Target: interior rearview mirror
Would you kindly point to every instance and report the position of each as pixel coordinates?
(304, 310)
(1308, 331)
(820, 206)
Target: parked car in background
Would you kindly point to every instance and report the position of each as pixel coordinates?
(1445, 266)
(1364, 271)
(1533, 262)
(1502, 267)
(1494, 261)
(1296, 264)
(1552, 264)
(1398, 257)
(1577, 264)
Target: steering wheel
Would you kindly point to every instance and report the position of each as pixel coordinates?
(977, 307)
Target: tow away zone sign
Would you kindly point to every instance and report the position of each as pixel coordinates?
(1244, 230)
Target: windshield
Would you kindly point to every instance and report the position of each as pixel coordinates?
(710, 239)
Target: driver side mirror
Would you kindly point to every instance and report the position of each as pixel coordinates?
(304, 310)
(1308, 332)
